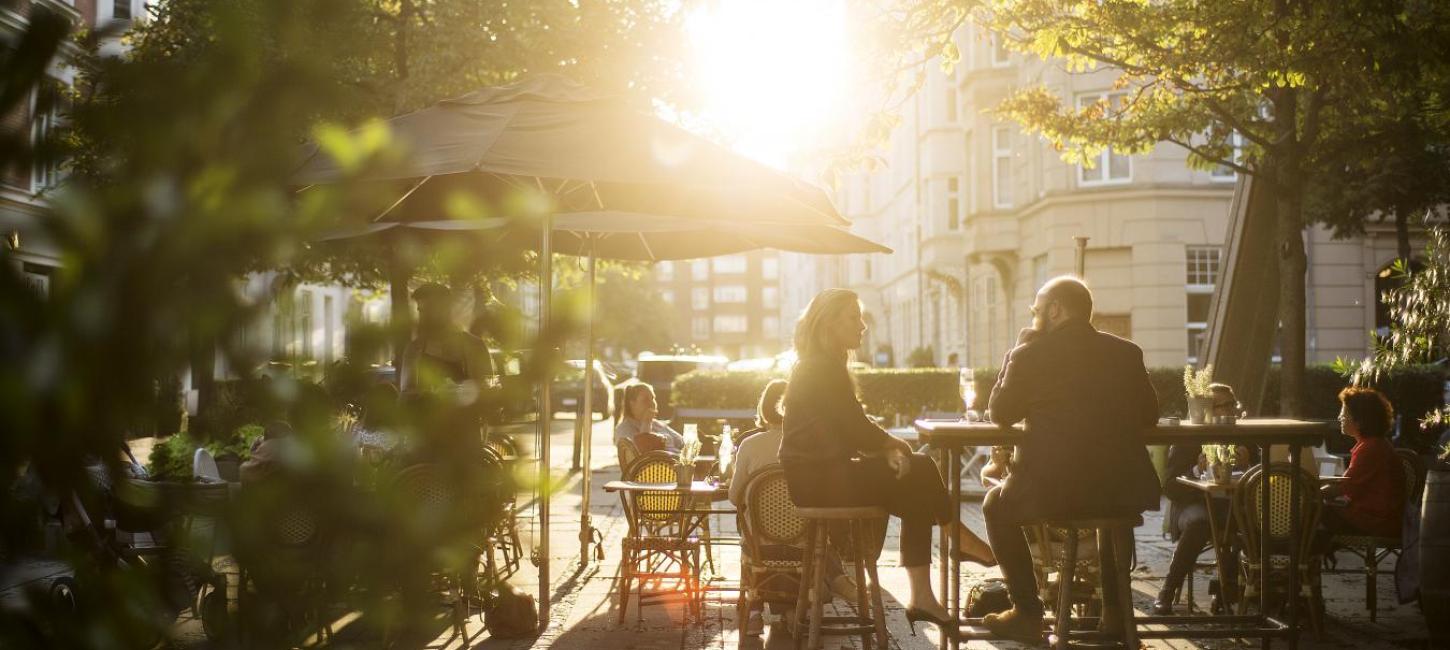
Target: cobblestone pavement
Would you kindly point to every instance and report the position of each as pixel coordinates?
(584, 611)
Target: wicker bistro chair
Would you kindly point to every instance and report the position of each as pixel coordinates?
(502, 532)
(294, 541)
(627, 453)
(437, 508)
(1248, 516)
(1373, 549)
(659, 544)
(772, 540)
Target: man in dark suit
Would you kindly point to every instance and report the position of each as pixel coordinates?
(1086, 399)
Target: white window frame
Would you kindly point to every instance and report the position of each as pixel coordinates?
(45, 176)
(994, 48)
(770, 326)
(700, 270)
(700, 298)
(668, 295)
(729, 264)
(1224, 173)
(953, 112)
(954, 203)
(665, 271)
(770, 297)
(731, 324)
(1199, 288)
(700, 328)
(770, 268)
(734, 294)
(1001, 166)
(1104, 157)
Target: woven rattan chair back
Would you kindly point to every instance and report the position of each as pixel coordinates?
(429, 501)
(295, 528)
(627, 453)
(1279, 479)
(1414, 468)
(655, 467)
(770, 516)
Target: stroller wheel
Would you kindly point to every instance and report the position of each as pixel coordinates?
(216, 620)
(63, 595)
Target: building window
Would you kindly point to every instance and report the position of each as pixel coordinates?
(731, 293)
(1224, 172)
(304, 323)
(1201, 276)
(284, 330)
(770, 298)
(732, 324)
(1002, 167)
(1108, 166)
(954, 203)
(46, 173)
(770, 326)
(668, 296)
(1039, 271)
(1001, 56)
(951, 104)
(700, 327)
(37, 278)
(121, 10)
(699, 270)
(665, 271)
(770, 268)
(700, 298)
(729, 264)
(1202, 268)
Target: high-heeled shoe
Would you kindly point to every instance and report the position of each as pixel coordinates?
(947, 627)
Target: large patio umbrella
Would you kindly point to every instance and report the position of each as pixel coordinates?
(582, 152)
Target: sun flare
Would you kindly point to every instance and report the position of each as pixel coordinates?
(773, 73)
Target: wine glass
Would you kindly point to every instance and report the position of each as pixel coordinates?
(967, 387)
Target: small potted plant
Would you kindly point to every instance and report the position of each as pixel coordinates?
(1200, 397)
(1220, 462)
(685, 470)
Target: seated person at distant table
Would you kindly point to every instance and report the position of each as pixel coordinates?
(639, 426)
(762, 449)
(1373, 487)
(1188, 515)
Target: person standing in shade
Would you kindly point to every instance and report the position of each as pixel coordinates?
(1086, 398)
(445, 365)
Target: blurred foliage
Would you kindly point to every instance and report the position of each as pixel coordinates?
(922, 357)
(179, 187)
(1419, 323)
(171, 458)
(630, 315)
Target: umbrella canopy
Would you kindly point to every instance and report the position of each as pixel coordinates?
(635, 237)
(584, 150)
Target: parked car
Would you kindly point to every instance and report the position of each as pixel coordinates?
(568, 391)
(660, 371)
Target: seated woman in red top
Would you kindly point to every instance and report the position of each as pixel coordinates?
(1373, 488)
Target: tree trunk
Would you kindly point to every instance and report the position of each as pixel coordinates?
(1288, 193)
(1402, 234)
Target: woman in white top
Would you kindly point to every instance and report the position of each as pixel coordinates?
(639, 425)
(761, 449)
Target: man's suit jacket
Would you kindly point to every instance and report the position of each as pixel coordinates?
(1086, 398)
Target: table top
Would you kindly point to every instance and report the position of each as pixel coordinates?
(1211, 487)
(1254, 431)
(696, 487)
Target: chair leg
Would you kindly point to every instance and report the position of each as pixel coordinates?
(626, 566)
(818, 589)
(1371, 583)
(1123, 550)
(863, 606)
(1065, 571)
(744, 602)
(878, 614)
(803, 594)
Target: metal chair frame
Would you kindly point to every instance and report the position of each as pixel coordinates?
(768, 517)
(1373, 549)
(659, 537)
(1247, 517)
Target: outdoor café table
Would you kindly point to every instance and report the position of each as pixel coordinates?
(951, 436)
(691, 514)
(1222, 540)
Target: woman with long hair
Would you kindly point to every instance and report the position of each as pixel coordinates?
(834, 456)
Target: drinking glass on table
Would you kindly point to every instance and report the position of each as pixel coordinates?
(967, 387)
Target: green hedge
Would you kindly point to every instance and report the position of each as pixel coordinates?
(910, 392)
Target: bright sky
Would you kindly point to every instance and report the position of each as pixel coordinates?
(773, 72)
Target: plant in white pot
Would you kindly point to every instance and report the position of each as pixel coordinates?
(1200, 396)
(685, 470)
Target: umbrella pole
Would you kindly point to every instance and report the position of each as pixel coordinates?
(586, 529)
(546, 408)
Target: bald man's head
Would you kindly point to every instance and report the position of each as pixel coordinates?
(1062, 298)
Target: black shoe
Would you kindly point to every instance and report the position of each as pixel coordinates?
(947, 627)
(1163, 605)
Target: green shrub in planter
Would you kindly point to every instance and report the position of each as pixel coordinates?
(171, 459)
